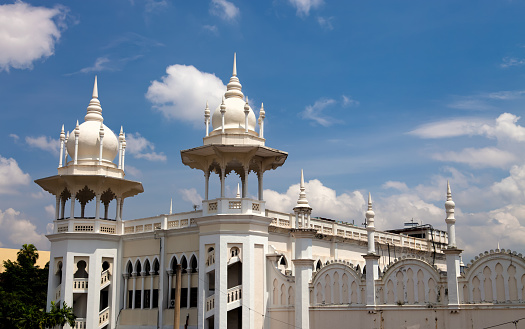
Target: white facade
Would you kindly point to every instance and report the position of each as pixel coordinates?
(246, 266)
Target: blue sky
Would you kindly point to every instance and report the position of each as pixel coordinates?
(391, 97)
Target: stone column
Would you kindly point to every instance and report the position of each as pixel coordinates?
(97, 206)
(245, 183)
(57, 207)
(142, 274)
(72, 214)
(126, 277)
(372, 274)
(223, 174)
(151, 273)
(303, 264)
(170, 277)
(453, 271)
(260, 178)
(206, 184)
(134, 289)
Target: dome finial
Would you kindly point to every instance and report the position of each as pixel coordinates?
(234, 65)
(94, 110)
(95, 88)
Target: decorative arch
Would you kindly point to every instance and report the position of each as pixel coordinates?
(173, 262)
(156, 266)
(129, 267)
(138, 267)
(336, 283)
(410, 280)
(494, 276)
(147, 267)
(194, 264)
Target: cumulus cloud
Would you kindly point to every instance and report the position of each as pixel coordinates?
(182, 93)
(224, 9)
(324, 201)
(28, 33)
(141, 148)
(50, 211)
(479, 157)
(44, 143)
(11, 176)
(191, 195)
(16, 230)
(304, 6)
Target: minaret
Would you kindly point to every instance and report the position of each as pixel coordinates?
(371, 258)
(452, 253)
(223, 111)
(262, 115)
(303, 261)
(246, 112)
(62, 139)
(207, 119)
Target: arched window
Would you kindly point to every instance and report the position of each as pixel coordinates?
(184, 264)
(129, 268)
(234, 252)
(105, 266)
(193, 264)
(138, 267)
(156, 266)
(147, 267)
(174, 264)
(318, 265)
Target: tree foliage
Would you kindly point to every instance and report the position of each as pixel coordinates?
(23, 290)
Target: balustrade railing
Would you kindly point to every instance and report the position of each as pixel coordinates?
(80, 284)
(80, 323)
(103, 317)
(58, 292)
(210, 303)
(211, 258)
(104, 278)
(234, 294)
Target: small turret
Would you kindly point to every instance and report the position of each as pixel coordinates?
(450, 220)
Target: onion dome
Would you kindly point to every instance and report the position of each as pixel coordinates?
(234, 117)
(89, 134)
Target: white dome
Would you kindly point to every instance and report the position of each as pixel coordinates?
(234, 115)
(89, 142)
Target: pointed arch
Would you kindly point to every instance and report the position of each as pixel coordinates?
(194, 264)
(147, 267)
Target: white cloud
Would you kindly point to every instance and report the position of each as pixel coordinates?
(211, 28)
(11, 176)
(348, 101)
(450, 128)
(100, 65)
(400, 186)
(479, 157)
(135, 172)
(183, 92)
(28, 33)
(44, 143)
(315, 112)
(191, 195)
(324, 201)
(326, 23)
(141, 148)
(511, 61)
(304, 6)
(224, 9)
(15, 137)
(50, 211)
(18, 231)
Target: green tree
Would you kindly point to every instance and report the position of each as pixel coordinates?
(23, 290)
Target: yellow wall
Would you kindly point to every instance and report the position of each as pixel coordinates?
(10, 254)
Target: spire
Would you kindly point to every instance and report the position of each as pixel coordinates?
(207, 111)
(171, 206)
(94, 110)
(370, 214)
(262, 113)
(302, 201)
(62, 134)
(450, 220)
(238, 191)
(234, 87)
(234, 74)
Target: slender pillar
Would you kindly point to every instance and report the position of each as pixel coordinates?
(260, 178)
(57, 207)
(77, 133)
(134, 289)
(223, 111)
(207, 119)
(188, 295)
(123, 151)
(206, 184)
(62, 139)
(245, 183)
(101, 136)
(372, 274)
(117, 215)
(151, 274)
(170, 278)
(223, 174)
(82, 209)
(143, 274)
(246, 112)
(121, 208)
(453, 272)
(120, 140)
(72, 214)
(262, 114)
(97, 205)
(62, 207)
(176, 317)
(65, 149)
(126, 277)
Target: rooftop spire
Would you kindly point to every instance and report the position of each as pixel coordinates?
(238, 191)
(171, 206)
(234, 87)
(302, 201)
(234, 65)
(94, 110)
(370, 214)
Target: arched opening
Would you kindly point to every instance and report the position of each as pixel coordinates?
(105, 199)
(81, 270)
(84, 196)
(318, 265)
(105, 266)
(64, 196)
(58, 274)
(129, 268)
(193, 264)
(138, 267)
(174, 264)
(156, 267)
(184, 264)
(147, 267)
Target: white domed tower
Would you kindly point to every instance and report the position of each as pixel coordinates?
(85, 245)
(234, 231)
